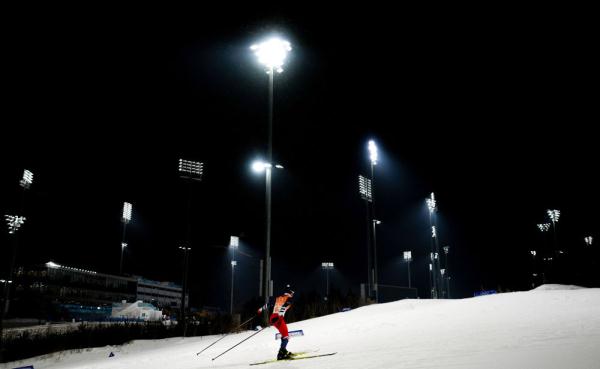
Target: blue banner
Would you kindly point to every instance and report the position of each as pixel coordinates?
(482, 293)
(299, 332)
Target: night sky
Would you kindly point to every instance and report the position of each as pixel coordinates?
(494, 113)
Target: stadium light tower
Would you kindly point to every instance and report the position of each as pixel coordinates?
(14, 222)
(366, 193)
(554, 215)
(447, 277)
(327, 266)
(186, 251)
(233, 244)
(431, 279)
(533, 267)
(272, 54)
(190, 171)
(407, 260)
(375, 223)
(125, 218)
(432, 207)
(544, 227)
(259, 166)
(373, 158)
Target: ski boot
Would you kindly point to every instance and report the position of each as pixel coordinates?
(283, 354)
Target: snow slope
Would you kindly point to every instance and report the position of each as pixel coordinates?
(544, 328)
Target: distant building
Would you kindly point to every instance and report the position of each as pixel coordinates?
(67, 284)
(163, 294)
(88, 295)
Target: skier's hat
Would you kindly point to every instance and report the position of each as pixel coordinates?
(288, 290)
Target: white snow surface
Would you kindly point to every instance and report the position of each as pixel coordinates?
(554, 287)
(549, 328)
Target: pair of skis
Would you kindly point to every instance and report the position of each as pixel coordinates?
(298, 356)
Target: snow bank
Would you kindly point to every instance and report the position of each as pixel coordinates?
(557, 329)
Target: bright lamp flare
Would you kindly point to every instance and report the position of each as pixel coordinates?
(191, 169)
(588, 240)
(553, 215)
(259, 166)
(373, 152)
(364, 188)
(14, 222)
(431, 203)
(544, 227)
(126, 212)
(272, 53)
(407, 255)
(27, 179)
(234, 241)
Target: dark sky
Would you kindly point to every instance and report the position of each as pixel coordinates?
(491, 109)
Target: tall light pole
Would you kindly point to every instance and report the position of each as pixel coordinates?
(271, 53)
(554, 215)
(186, 251)
(442, 278)
(431, 276)
(373, 157)
(366, 193)
(259, 166)
(192, 172)
(125, 218)
(407, 260)
(591, 262)
(14, 222)
(544, 227)
(233, 244)
(327, 266)
(533, 274)
(432, 206)
(375, 223)
(446, 251)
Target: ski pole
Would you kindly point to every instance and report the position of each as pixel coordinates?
(239, 326)
(245, 339)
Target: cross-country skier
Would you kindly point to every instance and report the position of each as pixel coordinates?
(280, 305)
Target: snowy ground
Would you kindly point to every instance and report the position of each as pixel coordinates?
(550, 327)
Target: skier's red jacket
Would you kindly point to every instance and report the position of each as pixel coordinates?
(280, 305)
